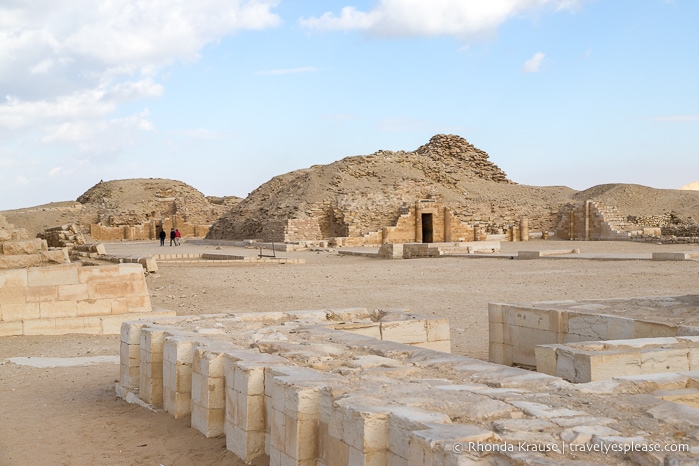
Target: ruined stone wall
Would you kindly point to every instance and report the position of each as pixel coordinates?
(590, 220)
(63, 236)
(147, 231)
(71, 298)
(17, 250)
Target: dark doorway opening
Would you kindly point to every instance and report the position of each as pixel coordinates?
(427, 231)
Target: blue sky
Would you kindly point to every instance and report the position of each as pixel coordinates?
(225, 94)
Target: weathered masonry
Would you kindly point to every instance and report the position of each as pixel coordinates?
(361, 387)
(42, 293)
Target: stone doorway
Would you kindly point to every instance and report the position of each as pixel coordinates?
(427, 229)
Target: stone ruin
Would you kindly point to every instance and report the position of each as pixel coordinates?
(43, 293)
(378, 387)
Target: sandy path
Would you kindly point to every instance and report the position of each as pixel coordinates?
(70, 416)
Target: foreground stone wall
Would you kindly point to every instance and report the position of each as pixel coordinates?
(147, 230)
(603, 360)
(516, 329)
(590, 220)
(292, 389)
(71, 298)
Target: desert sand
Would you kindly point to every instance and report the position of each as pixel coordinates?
(71, 415)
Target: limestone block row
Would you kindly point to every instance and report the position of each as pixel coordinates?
(263, 404)
(515, 331)
(591, 361)
(69, 298)
(424, 333)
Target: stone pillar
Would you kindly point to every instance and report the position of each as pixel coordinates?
(447, 226)
(524, 229)
(514, 233)
(587, 220)
(418, 223)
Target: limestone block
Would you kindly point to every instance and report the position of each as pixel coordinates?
(38, 294)
(524, 340)
(52, 276)
(653, 330)
(374, 458)
(591, 327)
(16, 278)
(301, 438)
(22, 247)
(406, 331)
(39, 327)
(208, 421)
(86, 325)
(57, 309)
(591, 367)
(152, 341)
(178, 355)
(584, 434)
(94, 307)
(130, 304)
(208, 387)
(10, 328)
(369, 329)
(500, 354)
(10, 312)
(247, 446)
(131, 332)
(19, 261)
(546, 359)
(76, 292)
(107, 290)
(333, 451)
(438, 330)
(686, 396)
(621, 328)
(54, 256)
(692, 358)
(365, 428)
(664, 360)
(422, 442)
(149, 264)
(403, 420)
(565, 364)
(496, 332)
(541, 319)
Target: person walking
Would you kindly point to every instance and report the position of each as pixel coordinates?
(172, 236)
(178, 236)
(162, 237)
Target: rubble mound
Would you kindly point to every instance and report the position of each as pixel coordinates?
(125, 202)
(647, 206)
(361, 194)
(134, 201)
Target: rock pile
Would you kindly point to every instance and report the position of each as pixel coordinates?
(134, 201)
(18, 251)
(361, 194)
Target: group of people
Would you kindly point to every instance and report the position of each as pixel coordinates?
(174, 237)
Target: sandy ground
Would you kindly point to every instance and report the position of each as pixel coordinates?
(71, 416)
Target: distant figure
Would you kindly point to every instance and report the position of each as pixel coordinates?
(172, 236)
(178, 235)
(162, 237)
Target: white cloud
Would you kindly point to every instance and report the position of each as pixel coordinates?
(99, 137)
(534, 63)
(55, 171)
(67, 65)
(464, 19)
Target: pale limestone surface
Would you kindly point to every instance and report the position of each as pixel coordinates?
(323, 395)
